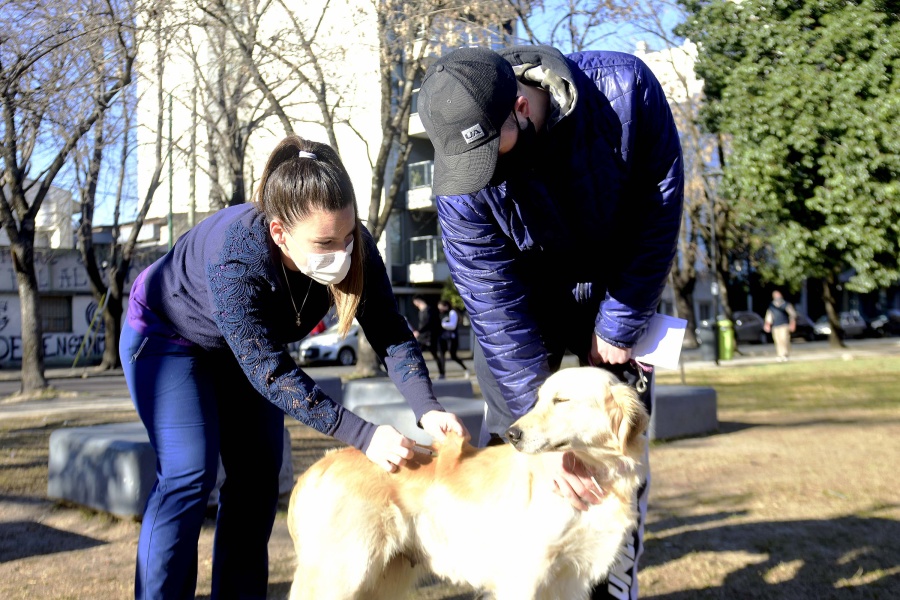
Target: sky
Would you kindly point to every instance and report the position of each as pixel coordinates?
(618, 37)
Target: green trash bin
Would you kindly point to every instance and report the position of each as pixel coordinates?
(726, 339)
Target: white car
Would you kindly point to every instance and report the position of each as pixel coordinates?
(852, 323)
(330, 347)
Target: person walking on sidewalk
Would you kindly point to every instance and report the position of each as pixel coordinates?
(781, 322)
(204, 353)
(428, 331)
(450, 335)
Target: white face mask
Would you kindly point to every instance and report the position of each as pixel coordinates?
(330, 268)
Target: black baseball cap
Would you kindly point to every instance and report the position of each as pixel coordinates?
(464, 99)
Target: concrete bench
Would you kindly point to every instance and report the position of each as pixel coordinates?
(401, 417)
(682, 411)
(333, 386)
(112, 468)
(381, 390)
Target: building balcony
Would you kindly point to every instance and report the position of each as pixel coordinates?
(420, 199)
(428, 263)
(419, 195)
(416, 129)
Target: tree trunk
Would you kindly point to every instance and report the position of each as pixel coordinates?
(112, 323)
(684, 308)
(836, 337)
(33, 379)
(367, 362)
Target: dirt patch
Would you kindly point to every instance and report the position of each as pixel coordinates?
(775, 505)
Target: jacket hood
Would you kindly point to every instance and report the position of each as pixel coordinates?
(545, 66)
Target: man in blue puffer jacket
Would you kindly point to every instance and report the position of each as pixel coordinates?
(559, 184)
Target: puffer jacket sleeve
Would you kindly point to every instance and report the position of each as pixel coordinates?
(481, 258)
(652, 150)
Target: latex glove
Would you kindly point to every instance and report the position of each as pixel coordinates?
(572, 479)
(604, 353)
(438, 424)
(389, 449)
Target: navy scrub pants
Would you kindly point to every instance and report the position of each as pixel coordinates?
(197, 406)
(622, 583)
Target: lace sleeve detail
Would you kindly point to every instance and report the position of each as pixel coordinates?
(406, 367)
(406, 362)
(238, 286)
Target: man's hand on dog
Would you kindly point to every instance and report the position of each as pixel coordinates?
(603, 352)
(573, 480)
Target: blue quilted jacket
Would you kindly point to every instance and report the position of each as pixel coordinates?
(581, 239)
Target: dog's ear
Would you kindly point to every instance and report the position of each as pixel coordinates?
(628, 418)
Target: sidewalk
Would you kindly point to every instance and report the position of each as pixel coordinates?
(691, 359)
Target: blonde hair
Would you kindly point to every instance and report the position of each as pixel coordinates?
(292, 187)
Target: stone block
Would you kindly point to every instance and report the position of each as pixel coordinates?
(112, 468)
(683, 411)
(381, 390)
(401, 417)
(333, 386)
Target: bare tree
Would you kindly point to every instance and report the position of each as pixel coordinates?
(108, 272)
(292, 67)
(52, 94)
(571, 25)
(223, 98)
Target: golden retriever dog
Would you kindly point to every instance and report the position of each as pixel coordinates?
(488, 518)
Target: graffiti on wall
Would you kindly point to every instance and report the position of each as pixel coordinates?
(57, 346)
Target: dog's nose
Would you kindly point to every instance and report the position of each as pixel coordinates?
(514, 434)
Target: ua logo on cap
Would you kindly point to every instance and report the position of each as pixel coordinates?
(473, 133)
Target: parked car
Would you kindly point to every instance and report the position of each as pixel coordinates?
(330, 347)
(748, 327)
(886, 324)
(852, 324)
(805, 330)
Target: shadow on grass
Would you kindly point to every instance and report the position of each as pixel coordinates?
(51, 540)
(848, 557)
(726, 427)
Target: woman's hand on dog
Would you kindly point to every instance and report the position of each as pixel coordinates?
(438, 424)
(389, 449)
(573, 480)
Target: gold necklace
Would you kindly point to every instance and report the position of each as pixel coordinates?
(291, 294)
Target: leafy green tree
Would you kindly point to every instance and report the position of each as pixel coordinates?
(451, 295)
(808, 94)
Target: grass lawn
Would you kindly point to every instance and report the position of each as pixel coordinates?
(861, 383)
(794, 497)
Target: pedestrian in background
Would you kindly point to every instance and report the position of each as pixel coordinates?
(428, 331)
(450, 334)
(781, 322)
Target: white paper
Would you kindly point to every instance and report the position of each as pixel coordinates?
(661, 343)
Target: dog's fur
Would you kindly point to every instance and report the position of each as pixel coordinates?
(488, 518)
